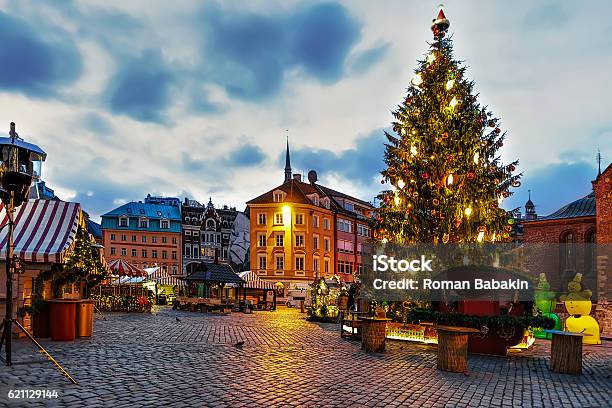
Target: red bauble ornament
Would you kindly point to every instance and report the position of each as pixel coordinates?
(407, 101)
(497, 130)
(425, 176)
(445, 135)
(492, 123)
(471, 175)
(451, 157)
(382, 181)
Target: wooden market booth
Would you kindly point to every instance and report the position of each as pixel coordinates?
(257, 291)
(44, 237)
(211, 286)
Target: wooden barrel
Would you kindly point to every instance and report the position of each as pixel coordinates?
(452, 351)
(373, 334)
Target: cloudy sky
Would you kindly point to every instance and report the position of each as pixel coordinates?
(194, 98)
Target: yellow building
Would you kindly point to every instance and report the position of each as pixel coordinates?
(296, 230)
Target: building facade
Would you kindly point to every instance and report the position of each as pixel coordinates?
(582, 231)
(209, 233)
(303, 230)
(146, 234)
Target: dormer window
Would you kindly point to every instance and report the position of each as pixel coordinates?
(143, 222)
(210, 224)
(349, 206)
(164, 224)
(325, 202)
(314, 198)
(124, 221)
(279, 196)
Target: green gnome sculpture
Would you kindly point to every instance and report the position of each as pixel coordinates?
(545, 304)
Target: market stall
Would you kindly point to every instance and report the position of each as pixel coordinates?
(57, 260)
(211, 287)
(125, 291)
(259, 293)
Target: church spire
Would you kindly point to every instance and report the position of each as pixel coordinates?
(287, 163)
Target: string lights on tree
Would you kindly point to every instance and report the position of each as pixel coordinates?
(442, 158)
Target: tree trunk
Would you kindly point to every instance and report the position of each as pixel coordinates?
(452, 351)
(566, 354)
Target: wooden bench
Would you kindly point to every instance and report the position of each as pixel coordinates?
(355, 324)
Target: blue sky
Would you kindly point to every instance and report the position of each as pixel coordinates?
(194, 98)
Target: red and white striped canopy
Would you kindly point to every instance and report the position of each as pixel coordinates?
(163, 278)
(253, 281)
(44, 230)
(123, 268)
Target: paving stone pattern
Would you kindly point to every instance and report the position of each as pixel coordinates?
(137, 360)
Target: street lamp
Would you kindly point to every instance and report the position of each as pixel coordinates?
(20, 165)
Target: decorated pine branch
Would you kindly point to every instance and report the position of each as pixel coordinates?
(443, 165)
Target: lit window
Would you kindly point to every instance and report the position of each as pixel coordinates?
(280, 262)
(299, 240)
(315, 263)
(280, 240)
(278, 219)
(278, 197)
(299, 263)
(261, 219)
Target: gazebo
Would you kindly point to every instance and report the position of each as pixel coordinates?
(206, 284)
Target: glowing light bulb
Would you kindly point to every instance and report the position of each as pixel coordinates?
(384, 240)
(397, 199)
(449, 179)
(400, 183)
(413, 150)
(453, 102)
(417, 80)
(449, 84)
(431, 58)
(480, 236)
(476, 157)
(500, 200)
(493, 237)
(468, 211)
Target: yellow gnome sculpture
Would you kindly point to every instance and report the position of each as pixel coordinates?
(578, 305)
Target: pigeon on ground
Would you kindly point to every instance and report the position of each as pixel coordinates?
(239, 344)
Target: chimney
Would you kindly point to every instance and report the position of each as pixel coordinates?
(297, 176)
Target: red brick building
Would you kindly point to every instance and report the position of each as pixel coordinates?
(583, 231)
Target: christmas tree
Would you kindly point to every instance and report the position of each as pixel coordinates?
(447, 180)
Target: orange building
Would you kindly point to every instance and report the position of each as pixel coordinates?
(145, 234)
(299, 231)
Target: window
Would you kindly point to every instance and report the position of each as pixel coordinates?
(154, 253)
(280, 262)
(225, 254)
(278, 197)
(261, 240)
(299, 240)
(218, 239)
(174, 269)
(345, 246)
(326, 244)
(280, 240)
(134, 253)
(326, 224)
(299, 263)
(315, 221)
(113, 237)
(123, 252)
(363, 230)
(124, 221)
(349, 206)
(113, 251)
(299, 219)
(187, 250)
(173, 240)
(144, 238)
(278, 218)
(315, 199)
(153, 239)
(124, 237)
(315, 263)
(164, 254)
(210, 224)
(196, 234)
(262, 262)
(261, 219)
(133, 238)
(345, 225)
(325, 202)
(187, 232)
(345, 267)
(315, 241)
(143, 223)
(164, 224)
(144, 253)
(326, 265)
(174, 256)
(196, 251)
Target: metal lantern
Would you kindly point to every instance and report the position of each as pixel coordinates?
(20, 166)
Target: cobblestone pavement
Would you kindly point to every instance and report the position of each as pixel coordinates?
(155, 360)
